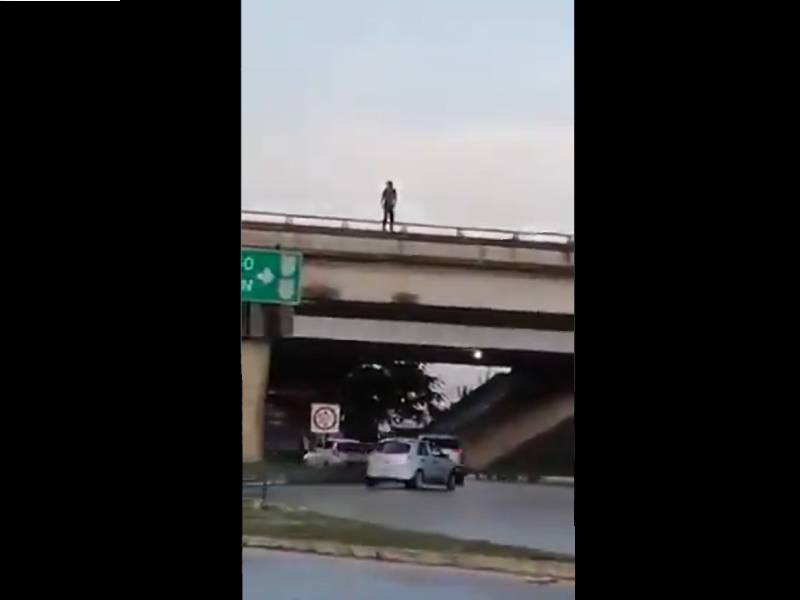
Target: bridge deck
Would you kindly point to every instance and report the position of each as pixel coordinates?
(494, 250)
(269, 221)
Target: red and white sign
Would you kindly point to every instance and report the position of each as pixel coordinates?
(325, 418)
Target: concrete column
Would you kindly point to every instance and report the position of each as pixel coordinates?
(485, 444)
(255, 378)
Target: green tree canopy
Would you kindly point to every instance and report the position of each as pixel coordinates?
(394, 392)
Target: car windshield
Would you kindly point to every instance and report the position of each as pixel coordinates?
(394, 448)
(447, 443)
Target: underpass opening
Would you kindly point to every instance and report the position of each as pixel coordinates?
(305, 371)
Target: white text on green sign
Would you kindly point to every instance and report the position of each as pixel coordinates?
(271, 276)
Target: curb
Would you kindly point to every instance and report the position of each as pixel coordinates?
(547, 480)
(536, 571)
(562, 481)
(258, 484)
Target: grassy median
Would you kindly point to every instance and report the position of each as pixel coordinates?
(290, 523)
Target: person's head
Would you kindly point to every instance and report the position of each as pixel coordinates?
(389, 184)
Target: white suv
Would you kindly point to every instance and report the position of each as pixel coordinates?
(412, 462)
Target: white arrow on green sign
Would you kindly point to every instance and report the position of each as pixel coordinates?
(271, 276)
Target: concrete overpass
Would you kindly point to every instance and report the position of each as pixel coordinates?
(441, 291)
(429, 265)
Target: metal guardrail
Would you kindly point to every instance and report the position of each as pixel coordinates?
(344, 223)
(252, 488)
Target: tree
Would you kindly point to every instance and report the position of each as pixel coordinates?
(394, 392)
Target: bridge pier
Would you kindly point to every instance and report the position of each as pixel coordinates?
(255, 380)
(261, 326)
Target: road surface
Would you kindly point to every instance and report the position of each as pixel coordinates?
(535, 516)
(283, 576)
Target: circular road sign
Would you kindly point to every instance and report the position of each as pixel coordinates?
(325, 418)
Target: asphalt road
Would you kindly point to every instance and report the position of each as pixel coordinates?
(282, 576)
(535, 516)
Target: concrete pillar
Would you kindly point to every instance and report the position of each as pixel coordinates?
(485, 444)
(255, 378)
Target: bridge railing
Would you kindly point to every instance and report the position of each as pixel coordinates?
(345, 223)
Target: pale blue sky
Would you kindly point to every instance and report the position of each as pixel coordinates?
(467, 105)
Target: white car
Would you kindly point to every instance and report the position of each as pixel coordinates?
(336, 452)
(450, 445)
(412, 462)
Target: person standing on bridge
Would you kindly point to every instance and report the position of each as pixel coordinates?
(388, 201)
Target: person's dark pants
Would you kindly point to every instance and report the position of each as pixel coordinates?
(388, 215)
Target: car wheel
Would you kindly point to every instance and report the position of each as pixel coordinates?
(451, 482)
(460, 479)
(417, 481)
(370, 482)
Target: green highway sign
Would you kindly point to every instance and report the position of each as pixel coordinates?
(271, 276)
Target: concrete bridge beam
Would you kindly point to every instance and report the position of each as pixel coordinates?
(485, 443)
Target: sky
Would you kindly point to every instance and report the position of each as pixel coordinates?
(466, 105)
(454, 377)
